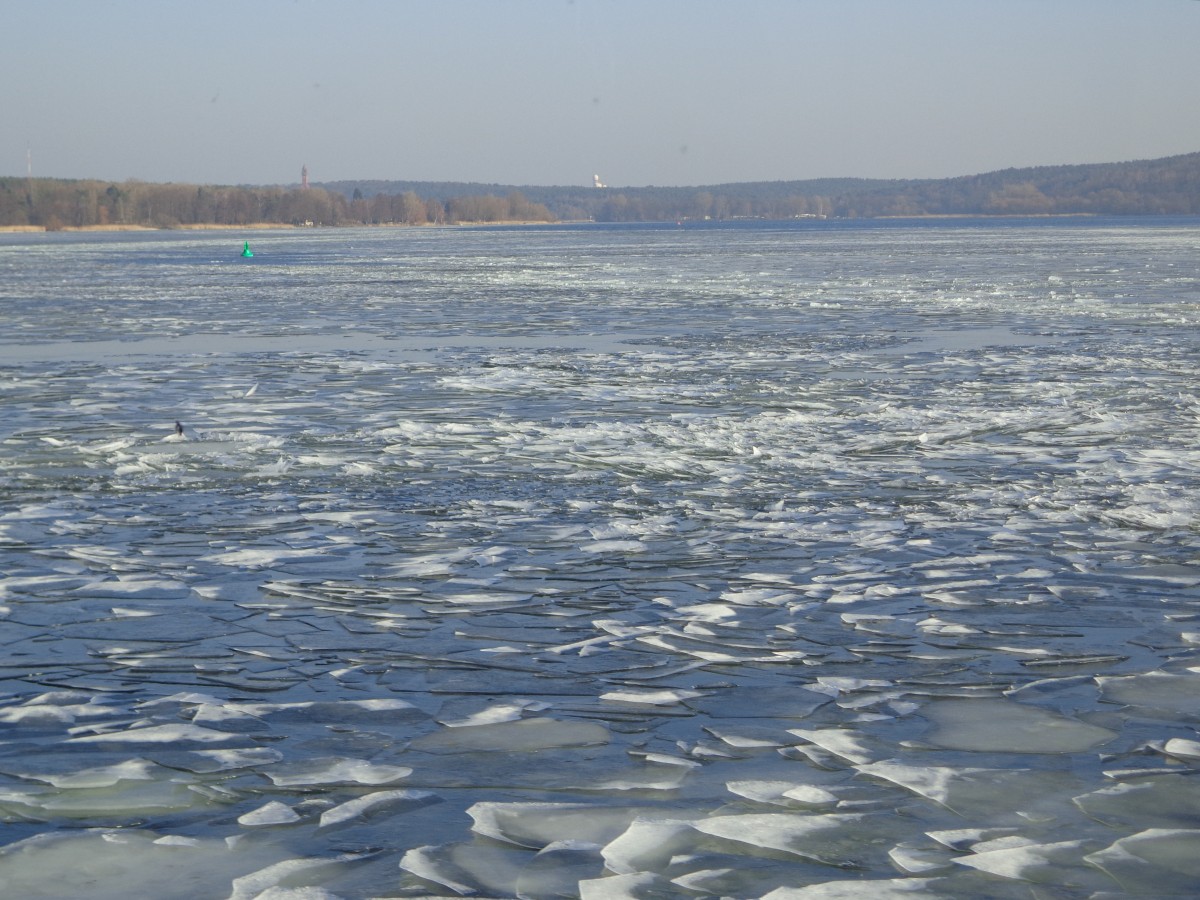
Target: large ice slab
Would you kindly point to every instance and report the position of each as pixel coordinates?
(999, 726)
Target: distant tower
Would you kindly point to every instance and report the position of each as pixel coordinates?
(304, 177)
(597, 182)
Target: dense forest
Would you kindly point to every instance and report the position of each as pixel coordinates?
(1169, 186)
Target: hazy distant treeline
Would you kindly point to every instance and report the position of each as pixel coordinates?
(1169, 186)
(56, 203)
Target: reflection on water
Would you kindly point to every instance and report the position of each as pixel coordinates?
(601, 562)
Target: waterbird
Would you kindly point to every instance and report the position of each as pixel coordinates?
(178, 428)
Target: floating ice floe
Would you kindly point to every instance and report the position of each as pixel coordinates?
(371, 804)
(1159, 690)
(783, 793)
(108, 864)
(272, 813)
(664, 697)
(834, 839)
(272, 877)
(1049, 863)
(335, 771)
(998, 726)
(842, 743)
(883, 889)
(1158, 798)
(648, 844)
(1163, 861)
(538, 825)
(525, 735)
(156, 734)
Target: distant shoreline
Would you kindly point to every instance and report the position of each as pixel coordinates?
(35, 229)
(287, 226)
(252, 226)
(1169, 186)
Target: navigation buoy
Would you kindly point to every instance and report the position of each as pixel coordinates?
(246, 251)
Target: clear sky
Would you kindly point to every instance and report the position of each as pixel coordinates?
(549, 92)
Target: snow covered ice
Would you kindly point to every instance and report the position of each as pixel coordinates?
(805, 560)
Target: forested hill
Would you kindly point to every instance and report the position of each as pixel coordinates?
(1168, 186)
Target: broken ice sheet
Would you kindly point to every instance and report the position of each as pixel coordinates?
(664, 697)
(1055, 863)
(625, 887)
(1154, 692)
(56, 707)
(716, 874)
(372, 803)
(648, 844)
(558, 868)
(857, 888)
(1153, 862)
(537, 825)
(841, 742)
(915, 859)
(974, 791)
(764, 701)
(334, 771)
(525, 735)
(53, 771)
(376, 712)
(209, 761)
(157, 734)
(767, 465)
(783, 793)
(468, 868)
(105, 864)
(272, 813)
(999, 726)
(833, 839)
(491, 714)
(289, 872)
(1182, 748)
(748, 737)
(122, 802)
(1168, 800)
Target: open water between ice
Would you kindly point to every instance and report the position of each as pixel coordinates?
(810, 560)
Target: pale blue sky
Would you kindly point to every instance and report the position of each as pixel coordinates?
(667, 92)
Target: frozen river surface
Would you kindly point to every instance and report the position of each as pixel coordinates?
(816, 560)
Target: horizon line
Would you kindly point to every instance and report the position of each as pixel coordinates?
(608, 187)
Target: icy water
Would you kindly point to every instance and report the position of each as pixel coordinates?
(811, 560)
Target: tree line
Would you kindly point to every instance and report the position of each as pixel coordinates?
(55, 204)
(1168, 186)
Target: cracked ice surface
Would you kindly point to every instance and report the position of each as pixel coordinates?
(793, 561)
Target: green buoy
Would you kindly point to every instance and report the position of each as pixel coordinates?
(246, 251)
